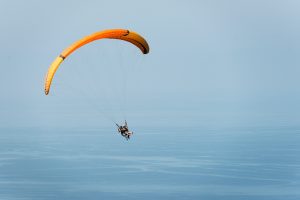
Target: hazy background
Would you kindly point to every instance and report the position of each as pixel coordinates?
(229, 57)
(224, 71)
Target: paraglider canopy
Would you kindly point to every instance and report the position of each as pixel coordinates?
(119, 34)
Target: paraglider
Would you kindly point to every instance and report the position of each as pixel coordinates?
(118, 34)
(124, 131)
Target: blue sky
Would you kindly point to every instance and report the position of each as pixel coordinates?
(219, 59)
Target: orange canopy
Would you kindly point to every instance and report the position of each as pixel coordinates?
(119, 34)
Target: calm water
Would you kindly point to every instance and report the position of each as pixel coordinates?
(158, 163)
